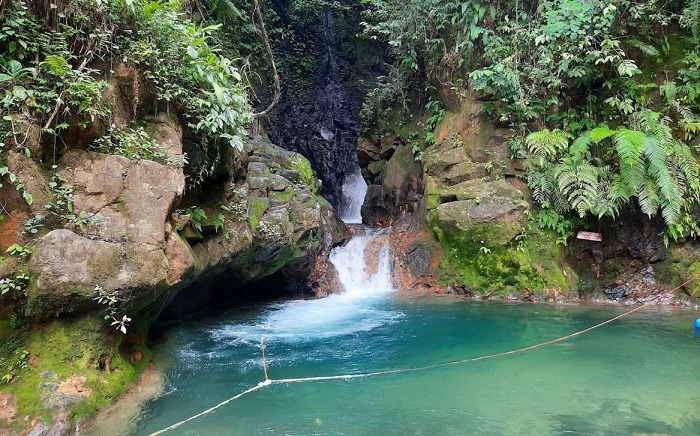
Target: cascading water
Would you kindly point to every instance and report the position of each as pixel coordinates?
(353, 195)
(363, 263)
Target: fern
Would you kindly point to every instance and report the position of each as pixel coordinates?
(546, 143)
(58, 65)
(629, 145)
(648, 197)
(658, 169)
(577, 182)
(647, 163)
(581, 144)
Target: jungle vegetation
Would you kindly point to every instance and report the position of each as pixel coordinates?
(602, 97)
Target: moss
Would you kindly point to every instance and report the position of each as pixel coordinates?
(258, 206)
(70, 348)
(285, 195)
(6, 329)
(432, 192)
(533, 264)
(682, 264)
(306, 174)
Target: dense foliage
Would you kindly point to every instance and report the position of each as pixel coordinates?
(601, 97)
(56, 57)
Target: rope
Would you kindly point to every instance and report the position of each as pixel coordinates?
(211, 409)
(269, 381)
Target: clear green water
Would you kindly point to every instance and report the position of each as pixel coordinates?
(638, 375)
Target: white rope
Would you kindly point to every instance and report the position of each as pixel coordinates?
(211, 409)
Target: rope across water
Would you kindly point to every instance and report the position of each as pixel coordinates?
(268, 381)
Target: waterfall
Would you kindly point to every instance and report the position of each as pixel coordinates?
(363, 263)
(363, 269)
(353, 195)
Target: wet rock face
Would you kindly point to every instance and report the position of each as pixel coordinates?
(318, 114)
(630, 263)
(324, 131)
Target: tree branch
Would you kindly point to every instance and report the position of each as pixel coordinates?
(276, 77)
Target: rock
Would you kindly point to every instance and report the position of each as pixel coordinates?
(135, 197)
(151, 191)
(282, 233)
(67, 268)
(400, 183)
(616, 292)
(419, 258)
(167, 132)
(256, 169)
(489, 213)
(376, 167)
(180, 260)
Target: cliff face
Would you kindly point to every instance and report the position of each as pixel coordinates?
(121, 243)
(468, 192)
(327, 70)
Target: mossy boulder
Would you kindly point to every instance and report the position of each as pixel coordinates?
(489, 214)
(472, 204)
(71, 368)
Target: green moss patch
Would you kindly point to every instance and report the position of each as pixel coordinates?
(306, 174)
(74, 364)
(533, 264)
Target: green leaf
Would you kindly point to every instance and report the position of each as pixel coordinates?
(58, 65)
(600, 133)
(28, 197)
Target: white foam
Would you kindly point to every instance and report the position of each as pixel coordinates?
(354, 190)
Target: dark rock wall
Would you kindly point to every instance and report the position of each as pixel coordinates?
(324, 68)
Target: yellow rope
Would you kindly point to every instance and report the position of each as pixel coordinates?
(269, 381)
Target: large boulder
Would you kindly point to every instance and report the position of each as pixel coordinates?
(475, 205)
(123, 251)
(486, 213)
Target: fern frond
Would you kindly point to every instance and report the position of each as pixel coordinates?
(541, 186)
(617, 196)
(658, 169)
(546, 143)
(648, 197)
(629, 145)
(581, 144)
(685, 161)
(578, 183)
(668, 90)
(600, 133)
(58, 65)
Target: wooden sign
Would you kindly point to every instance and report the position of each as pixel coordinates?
(589, 236)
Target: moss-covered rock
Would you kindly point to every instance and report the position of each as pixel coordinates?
(472, 204)
(70, 368)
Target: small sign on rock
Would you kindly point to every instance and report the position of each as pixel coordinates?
(590, 236)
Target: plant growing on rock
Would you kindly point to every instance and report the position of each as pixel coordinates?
(111, 300)
(18, 283)
(135, 144)
(62, 207)
(188, 73)
(12, 367)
